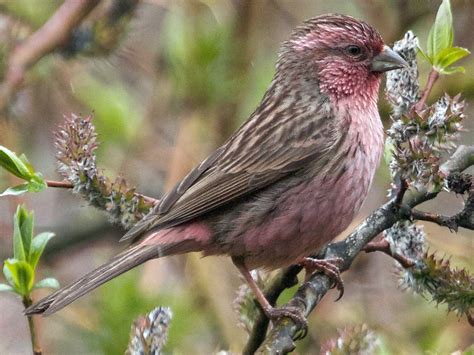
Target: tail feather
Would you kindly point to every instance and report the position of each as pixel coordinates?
(121, 263)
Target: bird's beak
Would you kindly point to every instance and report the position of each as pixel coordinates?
(387, 60)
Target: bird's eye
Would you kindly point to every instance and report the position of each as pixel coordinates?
(353, 50)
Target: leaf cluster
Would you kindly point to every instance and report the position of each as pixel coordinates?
(19, 271)
(440, 52)
(20, 167)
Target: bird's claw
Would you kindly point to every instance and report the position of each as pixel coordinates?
(294, 313)
(329, 267)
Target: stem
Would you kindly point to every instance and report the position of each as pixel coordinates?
(60, 184)
(443, 221)
(384, 247)
(27, 301)
(432, 77)
(401, 192)
(68, 185)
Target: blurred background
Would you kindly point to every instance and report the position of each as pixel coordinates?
(167, 82)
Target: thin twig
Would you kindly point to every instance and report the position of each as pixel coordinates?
(402, 189)
(51, 35)
(27, 301)
(68, 185)
(443, 221)
(384, 247)
(432, 77)
(59, 184)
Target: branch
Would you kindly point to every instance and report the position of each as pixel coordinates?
(59, 184)
(285, 279)
(35, 345)
(51, 35)
(384, 247)
(432, 77)
(68, 185)
(280, 339)
(464, 219)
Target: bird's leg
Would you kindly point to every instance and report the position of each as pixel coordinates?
(273, 313)
(329, 267)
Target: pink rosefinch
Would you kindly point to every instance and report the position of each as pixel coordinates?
(289, 180)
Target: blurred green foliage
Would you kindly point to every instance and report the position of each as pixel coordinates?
(116, 113)
(199, 55)
(29, 11)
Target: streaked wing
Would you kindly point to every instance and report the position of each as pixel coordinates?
(260, 153)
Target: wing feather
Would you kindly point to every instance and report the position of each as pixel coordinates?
(241, 166)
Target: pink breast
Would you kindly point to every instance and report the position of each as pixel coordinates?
(316, 212)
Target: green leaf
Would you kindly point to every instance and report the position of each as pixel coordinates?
(37, 247)
(14, 164)
(47, 283)
(449, 56)
(22, 233)
(6, 288)
(441, 34)
(20, 275)
(424, 55)
(21, 167)
(8, 275)
(452, 70)
(37, 183)
(28, 165)
(16, 190)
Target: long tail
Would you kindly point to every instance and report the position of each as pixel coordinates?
(121, 263)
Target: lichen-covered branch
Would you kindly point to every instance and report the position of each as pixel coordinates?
(76, 142)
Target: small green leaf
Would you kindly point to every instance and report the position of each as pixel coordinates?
(449, 56)
(424, 55)
(21, 275)
(16, 190)
(8, 275)
(13, 164)
(37, 247)
(47, 283)
(28, 165)
(37, 183)
(441, 34)
(6, 288)
(452, 70)
(22, 233)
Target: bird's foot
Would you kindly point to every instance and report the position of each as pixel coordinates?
(329, 267)
(294, 313)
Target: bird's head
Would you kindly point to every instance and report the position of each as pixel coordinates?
(344, 56)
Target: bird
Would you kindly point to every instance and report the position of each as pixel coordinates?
(288, 181)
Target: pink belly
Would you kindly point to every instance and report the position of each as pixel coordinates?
(310, 217)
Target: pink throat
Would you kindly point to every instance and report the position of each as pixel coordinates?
(355, 83)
